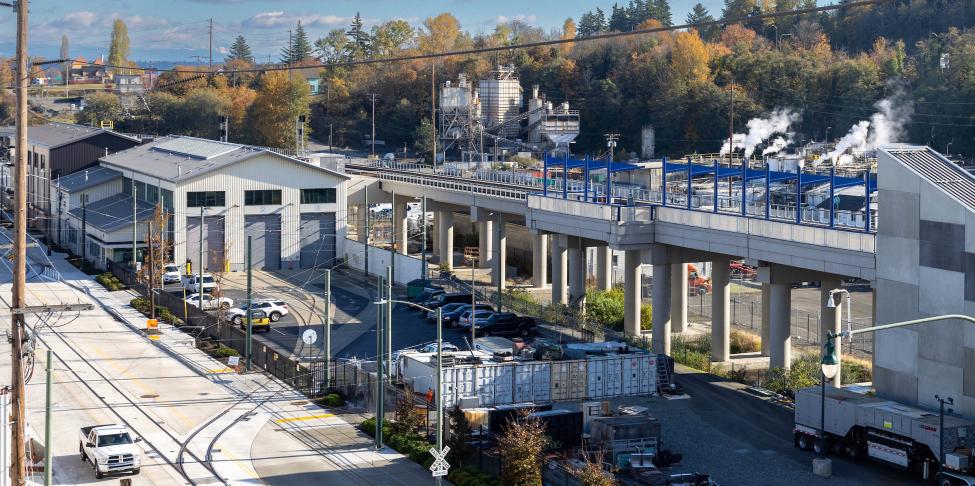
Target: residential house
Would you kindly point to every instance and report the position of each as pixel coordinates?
(220, 193)
(129, 84)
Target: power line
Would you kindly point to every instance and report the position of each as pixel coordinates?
(558, 42)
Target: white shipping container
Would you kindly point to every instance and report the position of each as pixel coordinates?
(605, 377)
(614, 377)
(458, 382)
(495, 384)
(639, 374)
(532, 381)
(569, 380)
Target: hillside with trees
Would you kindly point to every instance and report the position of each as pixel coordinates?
(831, 68)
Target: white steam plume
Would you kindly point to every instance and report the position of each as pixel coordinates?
(760, 130)
(884, 127)
(777, 145)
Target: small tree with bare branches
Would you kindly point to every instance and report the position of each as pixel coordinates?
(521, 445)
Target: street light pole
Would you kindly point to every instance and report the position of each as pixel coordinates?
(388, 330)
(941, 434)
(328, 328)
(379, 365)
(250, 307)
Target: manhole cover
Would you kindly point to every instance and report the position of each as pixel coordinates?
(151, 395)
(300, 402)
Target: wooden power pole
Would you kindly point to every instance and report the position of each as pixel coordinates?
(18, 469)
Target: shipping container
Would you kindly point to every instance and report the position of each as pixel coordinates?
(533, 381)
(458, 382)
(502, 414)
(562, 426)
(639, 374)
(605, 377)
(569, 380)
(495, 383)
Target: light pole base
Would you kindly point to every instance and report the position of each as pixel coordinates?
(823, 467)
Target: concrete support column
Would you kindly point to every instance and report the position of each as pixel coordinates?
(485, 242)
(632, 292)
(721, 310)
(577, 273)
(445, 224)
(560, 282)
(766, 317)
(604, 268)
(400, 225)
(780, 334)
(540, 260)
(661, 306)
(435, 233)
(831, 319)
(678, 296)
(500, 255)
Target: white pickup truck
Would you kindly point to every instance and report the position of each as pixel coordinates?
(110, 449)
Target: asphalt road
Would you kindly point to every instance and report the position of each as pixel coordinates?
(354, 317)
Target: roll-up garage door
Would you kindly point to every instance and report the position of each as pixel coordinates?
(317, 240)
(213, 242)
(265, 233)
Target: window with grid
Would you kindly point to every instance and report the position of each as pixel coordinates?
(205, 199)
(259, 198)
(318, 196)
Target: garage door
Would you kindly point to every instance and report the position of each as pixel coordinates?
(265, 233)
(317, 240)
(213, 242)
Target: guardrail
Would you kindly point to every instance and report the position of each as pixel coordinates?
(456, 185)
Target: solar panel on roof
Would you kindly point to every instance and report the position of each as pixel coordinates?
(196, 148)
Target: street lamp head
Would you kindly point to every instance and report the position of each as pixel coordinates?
(830, 363)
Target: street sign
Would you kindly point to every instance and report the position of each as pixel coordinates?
(309, 336)
(152, 324)
(836, 200)
(233, 361)
(440, 465)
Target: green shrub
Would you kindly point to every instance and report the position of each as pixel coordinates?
(605, 307)
(646, 317)
(805, 372)
(110, 282)
(855, 371)
(333, 400)
(226, 352)
(369, 426)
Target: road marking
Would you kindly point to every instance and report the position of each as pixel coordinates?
(302, 419)
(221, 370)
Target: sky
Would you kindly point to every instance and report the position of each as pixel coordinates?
(177, 30)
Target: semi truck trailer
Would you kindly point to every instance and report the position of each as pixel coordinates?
(861, 426)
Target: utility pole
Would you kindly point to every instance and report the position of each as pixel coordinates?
(941, 434)
(423, 243)
(388, 330)
(135, 226)
(328, 328)
(48, 469)
(84, 228)
(611, 139)
(372, 142)
(731, 127)
(199, 271)
(250, 330)
(433, 112)
(379, 365)
(211, 48)
(152, 274)
(18, 453)
(440, 377)
(365, 239)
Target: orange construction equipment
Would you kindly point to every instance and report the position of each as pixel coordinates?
(696, 283)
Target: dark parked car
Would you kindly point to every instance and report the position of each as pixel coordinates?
(506, 324)
(444, 299)
(426, 295)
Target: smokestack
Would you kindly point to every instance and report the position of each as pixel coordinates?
(534, 91)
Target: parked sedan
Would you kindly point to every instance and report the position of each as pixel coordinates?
(432, 315)
(209, 302)
(480, 317)
(506, 324)
(275, 310)
(453, 317)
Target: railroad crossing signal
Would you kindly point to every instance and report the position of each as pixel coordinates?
(440, 465)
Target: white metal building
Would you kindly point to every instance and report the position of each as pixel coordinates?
(294, 211)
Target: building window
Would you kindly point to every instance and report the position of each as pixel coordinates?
(317, 196)
(259, 198)
(205, 199)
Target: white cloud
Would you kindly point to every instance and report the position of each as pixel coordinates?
(501, 19)
(279, 19)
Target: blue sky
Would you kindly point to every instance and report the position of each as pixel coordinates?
(176, 30)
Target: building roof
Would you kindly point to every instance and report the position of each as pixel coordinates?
(114, 212)
(179, 158)
(936, 169)
(87, 178)
(53, 135)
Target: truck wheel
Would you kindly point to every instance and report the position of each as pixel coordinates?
(81, 449)
(820, 445)
(238, 320)
(98, 474)
(135, 471)
(702, 290)
(804, 442)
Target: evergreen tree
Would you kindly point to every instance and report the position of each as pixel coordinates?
(737, 8)
(240, 51)
(637, 12)
(301, 48)
(699, 14)
(358, 46)
(118, 50)
(588, 25)
(600, 19)
(618, 20)
(661, 11)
